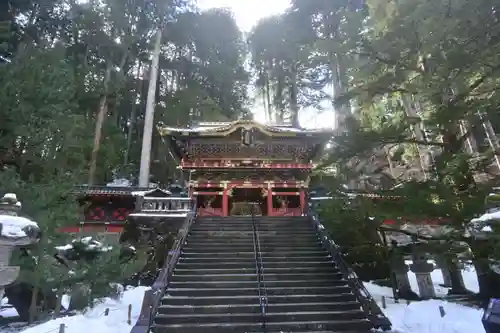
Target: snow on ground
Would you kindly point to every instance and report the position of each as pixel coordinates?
(424, 317)
(94, 320)
(418, 317)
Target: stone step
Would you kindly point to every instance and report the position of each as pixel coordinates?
(258, 227)
(254, 283)
(260, 219)
(285, 223)
(198, 300)
(213, 291)
(211, 308)
(214, 284)
(207, 328)
(236, 264)
(271, 291)
(266, 239)
(319, 280)
(285, 228)
(254, 299)
(249, 226)
(202, 318)
(300, 276)
(328, 290)
(201, 271)
(187, 308)
(266, 263)
(311, 298)
(298, 268)
(279, 235)
(338, 326)
(275, 254)
(196, 247)
(213, 243)
(314, 315)
(248, 253)
(235, 226)
(220, 238)
(292, 239)
(215, 277)
(229, 262)
(173, 319)
(263, 248)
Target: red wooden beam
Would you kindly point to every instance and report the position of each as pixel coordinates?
(438, 221)
(229, 164)
(242, 183)
(94, 227)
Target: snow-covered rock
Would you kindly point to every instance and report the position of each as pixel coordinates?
(86, 248)
(484, 226)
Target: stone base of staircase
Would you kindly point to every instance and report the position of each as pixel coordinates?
(215, 285)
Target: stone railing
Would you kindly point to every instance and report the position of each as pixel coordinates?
(163, 205)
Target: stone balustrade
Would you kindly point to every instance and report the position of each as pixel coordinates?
(163, 205)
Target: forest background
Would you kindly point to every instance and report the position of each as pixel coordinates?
(414, 86)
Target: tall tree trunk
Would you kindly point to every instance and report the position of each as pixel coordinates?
(268, 99)
(412, 114)
(294, 103)
(133, 115)
(341, 111)
(101, 115)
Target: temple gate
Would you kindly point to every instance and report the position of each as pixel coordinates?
(243, 167)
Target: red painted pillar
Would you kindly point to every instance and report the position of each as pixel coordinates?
(269, 201)
(302, 199)
(225, 202)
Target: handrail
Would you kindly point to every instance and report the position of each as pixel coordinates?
(153, 297)
(260, 271)
(369, 305)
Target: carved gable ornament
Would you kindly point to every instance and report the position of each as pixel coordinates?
(248, 136)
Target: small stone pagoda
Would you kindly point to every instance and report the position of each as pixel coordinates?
(243, 167)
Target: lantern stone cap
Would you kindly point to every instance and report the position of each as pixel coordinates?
(10, 199)
(16, 227)
(10, 196)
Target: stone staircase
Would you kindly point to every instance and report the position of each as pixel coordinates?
(215, 286)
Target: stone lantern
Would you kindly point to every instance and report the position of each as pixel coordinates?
(14, 231)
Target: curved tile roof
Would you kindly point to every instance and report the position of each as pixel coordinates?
(225, 128)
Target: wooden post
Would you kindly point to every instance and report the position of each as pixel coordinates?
(129, 314)
(61, 328)
(302, 201)
(225, 201)
(269, 201)
(60, 293)
(106, 312)
(441, 311)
